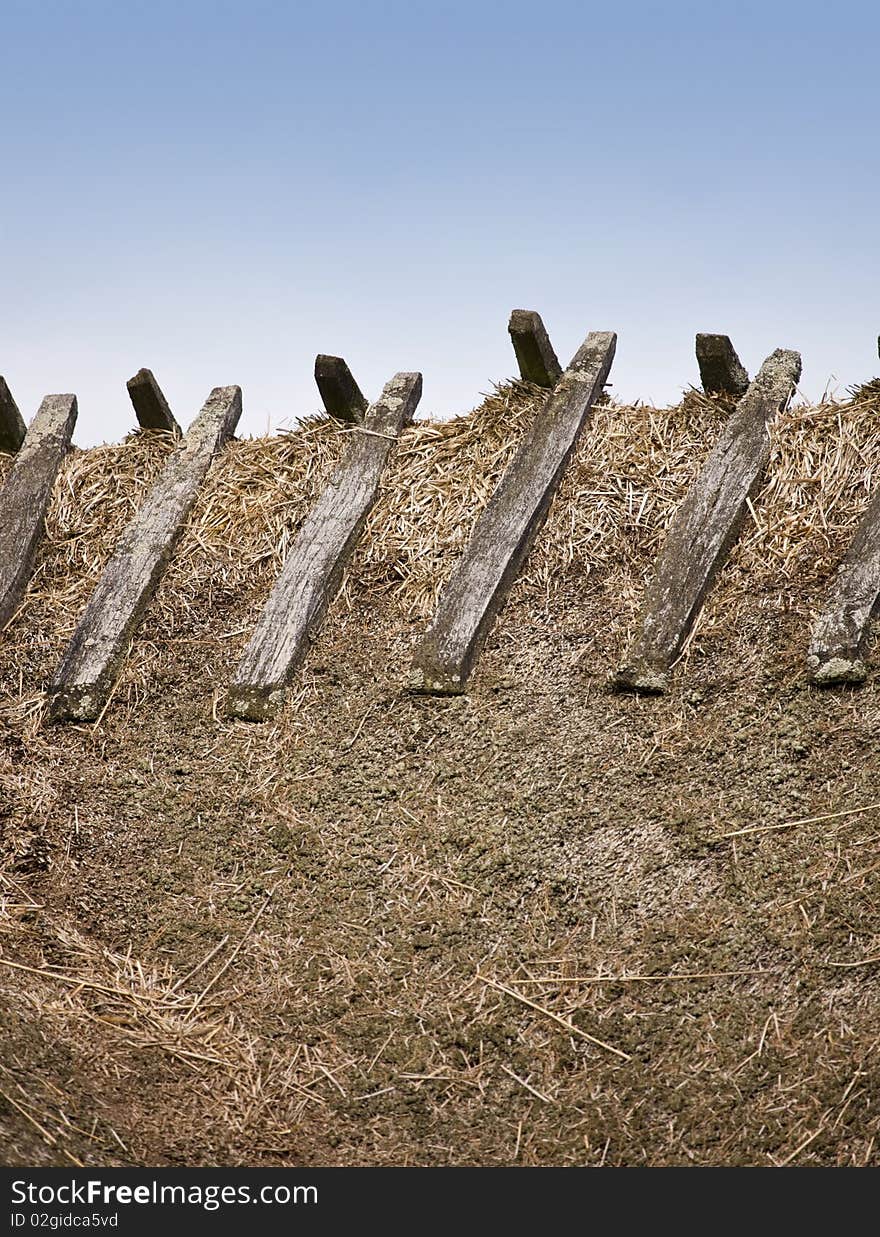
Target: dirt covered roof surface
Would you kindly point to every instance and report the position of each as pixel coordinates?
(540, 924)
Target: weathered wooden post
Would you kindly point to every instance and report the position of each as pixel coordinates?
(341, 395)
(721, 370)
(841, 630)
(537, 361)
(706, 525)
(313, 571)
(25, 497)
(150, 405)
(12, 427)
(504, 533)
(84, 678)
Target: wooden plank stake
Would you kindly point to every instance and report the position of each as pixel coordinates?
(504, 532)
(341, 395)
(12, 427)
(706, 525)
(841, 631)
(84, 678)
(721, 370)
(313, 571)
(150, 405)
(537, 361)
(25, 497)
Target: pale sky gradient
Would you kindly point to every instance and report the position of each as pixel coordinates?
(220, 190)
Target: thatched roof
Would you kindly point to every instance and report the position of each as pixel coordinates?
(387, 929)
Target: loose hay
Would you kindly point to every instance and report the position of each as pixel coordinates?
(632, 466)
(361, 934)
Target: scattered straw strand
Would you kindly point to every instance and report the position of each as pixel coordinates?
(557, 1018)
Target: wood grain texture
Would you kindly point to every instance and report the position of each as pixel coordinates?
(12, 427)
(721, 370)
(706, 525)
(313, 571)
(150, 405)
(506, 528)
(114, 611)
(26, 494)
(535, 357)
(841, 631)
(340, 394)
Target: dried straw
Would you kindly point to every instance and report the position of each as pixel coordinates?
(631, 469)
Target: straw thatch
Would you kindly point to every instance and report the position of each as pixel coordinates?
(544, 924)
(631, 469)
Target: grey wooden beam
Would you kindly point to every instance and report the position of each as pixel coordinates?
(313, 571)
(341, 395)
(706, 526)
(150, 405)
(25, 497)
(12, 427)
(505, 530)
(721, 370)
(87, 671)
(537, 361)
(841, 631)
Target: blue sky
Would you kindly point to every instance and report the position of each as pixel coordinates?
(220, 190)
